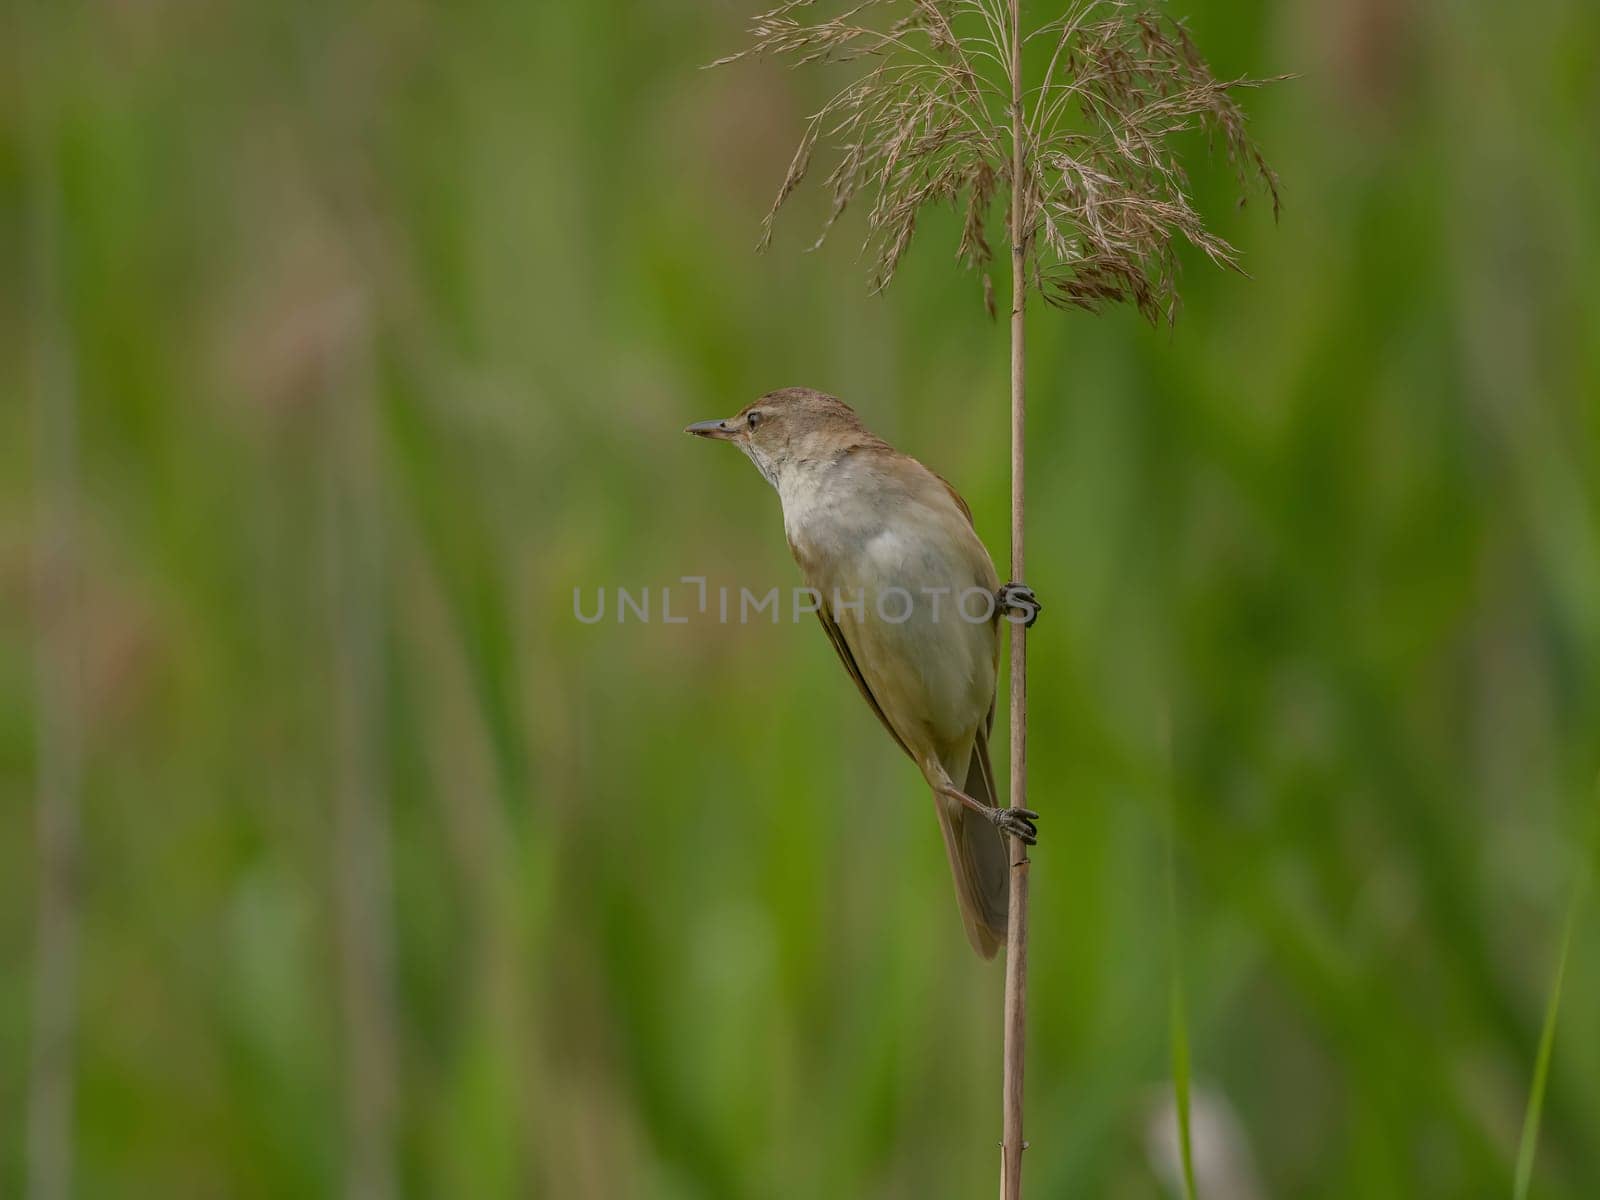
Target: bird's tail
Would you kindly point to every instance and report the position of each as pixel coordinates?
(978, 858)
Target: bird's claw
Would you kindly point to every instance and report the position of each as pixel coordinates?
(1018, 822)
(1019, 598)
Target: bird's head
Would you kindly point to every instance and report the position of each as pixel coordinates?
(788, 429)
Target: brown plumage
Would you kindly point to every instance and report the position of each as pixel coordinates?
(911, 604)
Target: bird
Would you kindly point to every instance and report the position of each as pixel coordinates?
(912, 604)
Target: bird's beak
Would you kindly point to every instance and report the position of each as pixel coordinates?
(718, 430)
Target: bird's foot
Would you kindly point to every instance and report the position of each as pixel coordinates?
(1018, 822)
(1018, 598)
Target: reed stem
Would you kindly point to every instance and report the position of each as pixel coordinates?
(1016, 1003)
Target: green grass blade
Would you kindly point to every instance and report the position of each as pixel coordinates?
(1178, 1007)
(1179, 1037)
(1547, 1036)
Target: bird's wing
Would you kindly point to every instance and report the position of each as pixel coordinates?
(842, 648)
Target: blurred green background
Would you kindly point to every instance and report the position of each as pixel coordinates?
(341, 342)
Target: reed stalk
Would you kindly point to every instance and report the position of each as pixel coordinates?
(944, 110)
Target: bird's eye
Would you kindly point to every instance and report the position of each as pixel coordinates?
(753, 419)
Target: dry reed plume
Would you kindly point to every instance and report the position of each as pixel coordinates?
(1104, 196)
